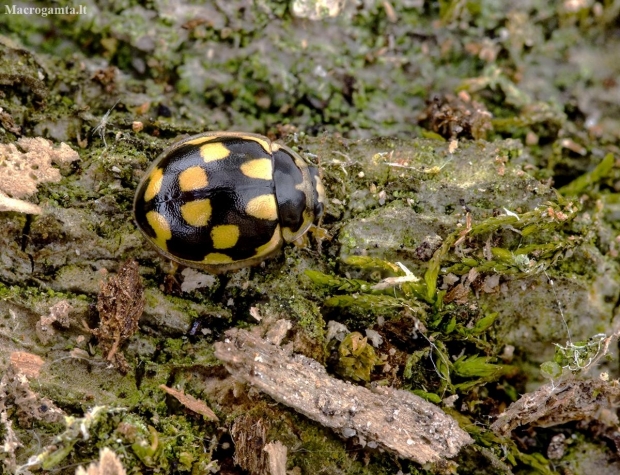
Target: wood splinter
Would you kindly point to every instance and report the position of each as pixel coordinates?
(392, 419)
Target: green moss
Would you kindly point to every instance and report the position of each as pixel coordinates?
(175, 441)
(308, 316)
(356, 358)
(538, 224)
(585, 181)
(319, 450)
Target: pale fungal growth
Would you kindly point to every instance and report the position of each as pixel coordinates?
(193, 280)
(109, 464)
(24, 166)
(59, 312)
(317, 9)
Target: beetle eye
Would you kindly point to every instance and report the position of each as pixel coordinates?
(318, 211)
(318, 195)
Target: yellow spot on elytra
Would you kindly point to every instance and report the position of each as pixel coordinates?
(154, 185)
(193, 178)
(197, 213)
(161, 227)
(274, 243)
(225, 236)
(263, 143)
(211, 152)
(275, 147)
(217, 258)
(263, 207)
(200, 140)
(258, 168)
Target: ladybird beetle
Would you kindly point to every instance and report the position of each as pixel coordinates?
(221, 201)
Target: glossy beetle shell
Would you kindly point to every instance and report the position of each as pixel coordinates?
(220, 201)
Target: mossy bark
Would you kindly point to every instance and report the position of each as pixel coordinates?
(499, 266)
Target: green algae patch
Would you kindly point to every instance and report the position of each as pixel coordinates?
(417, 210)
(175, 315)
(20, 66)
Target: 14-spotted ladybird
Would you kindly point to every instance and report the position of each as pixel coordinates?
(220, 201)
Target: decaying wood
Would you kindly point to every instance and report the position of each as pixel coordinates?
(190, 402)
(109, 464)
(249, 435)
(567, 400)
(277, 457)
(550, 405)
(392, 419)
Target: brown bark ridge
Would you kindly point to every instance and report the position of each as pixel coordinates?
(391, 419)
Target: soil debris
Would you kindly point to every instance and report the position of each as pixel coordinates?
(27, 363)
(277, 457)
(566, 399)
(250, 436)
(120, 304)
